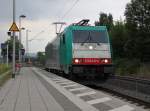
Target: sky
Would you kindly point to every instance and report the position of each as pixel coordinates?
(40, 15)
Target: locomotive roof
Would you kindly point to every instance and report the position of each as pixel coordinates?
(76, 27)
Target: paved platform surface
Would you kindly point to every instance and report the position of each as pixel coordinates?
(38, 90)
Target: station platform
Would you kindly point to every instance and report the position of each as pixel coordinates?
(37, 90)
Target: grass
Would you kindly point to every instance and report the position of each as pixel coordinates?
(3, 75)
(4, 68)
(4, 79)
(144, 71)
(134, 68)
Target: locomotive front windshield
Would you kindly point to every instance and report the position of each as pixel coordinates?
(85, 36)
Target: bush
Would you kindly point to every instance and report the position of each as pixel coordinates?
(126, 67)
(4, 68)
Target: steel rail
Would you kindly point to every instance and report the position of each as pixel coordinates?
(132, 87)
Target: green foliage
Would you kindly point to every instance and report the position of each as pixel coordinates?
(4, 79)
(127, 67)
(118, 34)
(138, 24)
(130, 39)
(105, 20)
(10, 47)
(144, 71)
(4, 76)
(41, 57)
(3, 68)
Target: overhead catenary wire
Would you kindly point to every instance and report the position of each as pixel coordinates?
(33, 38)
(62, 8)
(65, 14)
(69, 10)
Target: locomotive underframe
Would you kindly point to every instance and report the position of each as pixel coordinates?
(88, 70)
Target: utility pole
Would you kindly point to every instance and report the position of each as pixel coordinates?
(7, 55)
(27, 44)
(14, 40)
(14, 29)
(9, 34)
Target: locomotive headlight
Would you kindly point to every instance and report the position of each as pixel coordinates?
(91, 47)
(106, 60)
(76, 61)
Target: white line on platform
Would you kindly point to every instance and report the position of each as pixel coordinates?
(123, 108)
(62, 81)
(100, 100)
(71, 85)
(66, 83)
(77, 89)
(56, 79)
(86, 94)
(77, 101)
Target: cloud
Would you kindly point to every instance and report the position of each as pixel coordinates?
(42, 31)
(42, 13)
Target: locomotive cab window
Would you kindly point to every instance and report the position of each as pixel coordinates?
(85, 36)
(63, 37)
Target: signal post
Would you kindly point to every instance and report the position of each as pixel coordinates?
(14, 29)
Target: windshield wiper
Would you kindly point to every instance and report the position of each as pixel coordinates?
(89, 38)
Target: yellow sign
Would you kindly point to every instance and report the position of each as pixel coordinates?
(14, 27)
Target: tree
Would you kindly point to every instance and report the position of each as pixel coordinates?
(138, 24)
(41, 57)
(10, 47)
(105, 20)
(118, 34)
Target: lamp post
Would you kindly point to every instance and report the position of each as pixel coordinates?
(20, 28)
(27, 44)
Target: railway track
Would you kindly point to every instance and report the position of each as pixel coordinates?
(133, 88)
(138, 89)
